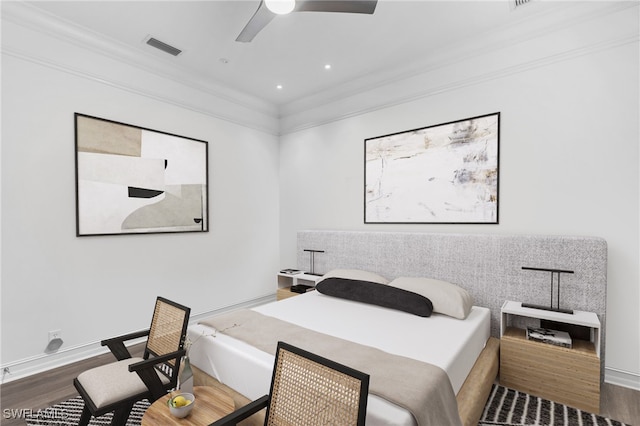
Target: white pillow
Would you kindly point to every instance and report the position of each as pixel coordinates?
(448, 299)
(356, 274)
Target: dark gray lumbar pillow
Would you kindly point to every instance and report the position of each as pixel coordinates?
(376, 294)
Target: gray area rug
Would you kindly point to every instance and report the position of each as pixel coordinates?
(505, 407)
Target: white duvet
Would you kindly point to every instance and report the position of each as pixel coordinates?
(449, 343)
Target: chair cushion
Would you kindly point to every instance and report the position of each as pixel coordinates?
(113, 382)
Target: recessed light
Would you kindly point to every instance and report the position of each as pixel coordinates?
(279, 87)
(327, 67)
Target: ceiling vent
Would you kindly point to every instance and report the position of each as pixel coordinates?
(154, 42)
(518, 3)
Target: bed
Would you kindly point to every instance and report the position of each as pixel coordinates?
(248, 370)
(488, 266)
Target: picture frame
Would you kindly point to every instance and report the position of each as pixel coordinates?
(135, 180)
(445, 173)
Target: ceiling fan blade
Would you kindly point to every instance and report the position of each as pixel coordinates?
(345, 6)
(258, 21)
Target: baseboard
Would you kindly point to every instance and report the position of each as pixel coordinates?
(622, 378)
(37, 364)
(40, 363)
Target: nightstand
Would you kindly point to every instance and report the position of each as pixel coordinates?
(567, 375)
(285, 281)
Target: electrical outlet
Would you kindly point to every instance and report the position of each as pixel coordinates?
(5, 371)
(55, 334)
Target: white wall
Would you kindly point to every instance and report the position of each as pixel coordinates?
(96, 287)
(568, 165)
(569, 157)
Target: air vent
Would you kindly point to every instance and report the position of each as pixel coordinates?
(154, 42)
(518, 3)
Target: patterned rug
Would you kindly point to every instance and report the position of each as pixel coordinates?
(67, 413)
(505, 407)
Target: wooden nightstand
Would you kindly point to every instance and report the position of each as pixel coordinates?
(285, 281)
(567, 375)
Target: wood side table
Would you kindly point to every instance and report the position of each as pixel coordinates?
(567, 375)
(211, 404)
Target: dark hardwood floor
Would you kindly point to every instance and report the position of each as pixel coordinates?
(45, 389)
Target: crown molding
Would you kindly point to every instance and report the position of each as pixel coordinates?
(360, 97)
(314, 118)
(268, 126)
(377, 90)
(36, 20)
(556, 17)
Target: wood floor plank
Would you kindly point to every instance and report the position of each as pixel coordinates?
(620, 403)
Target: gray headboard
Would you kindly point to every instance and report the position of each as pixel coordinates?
(488, 266)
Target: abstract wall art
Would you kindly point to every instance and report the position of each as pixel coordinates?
(446, 173)
(132, 180)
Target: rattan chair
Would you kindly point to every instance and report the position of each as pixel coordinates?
(309, 390)
(118, 386)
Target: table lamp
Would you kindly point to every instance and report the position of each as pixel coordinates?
(550, 307)
(312, 254)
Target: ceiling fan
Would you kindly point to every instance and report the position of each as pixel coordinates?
(269, 9)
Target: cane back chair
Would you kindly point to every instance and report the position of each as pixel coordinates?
(307, 389)
(119, 385)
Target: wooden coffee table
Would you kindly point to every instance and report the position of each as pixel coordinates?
(211, 404)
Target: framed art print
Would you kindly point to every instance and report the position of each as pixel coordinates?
(446, 173)
(132, 180)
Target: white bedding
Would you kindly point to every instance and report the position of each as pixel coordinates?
(449, 343)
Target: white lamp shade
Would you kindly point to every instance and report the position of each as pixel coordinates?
(280, 7)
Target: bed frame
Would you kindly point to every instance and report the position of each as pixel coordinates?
(489, 266)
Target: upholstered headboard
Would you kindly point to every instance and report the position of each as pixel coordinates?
(488, 266)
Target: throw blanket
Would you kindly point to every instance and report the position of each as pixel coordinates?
(421, 388)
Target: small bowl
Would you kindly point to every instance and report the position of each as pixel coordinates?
(184, 410)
